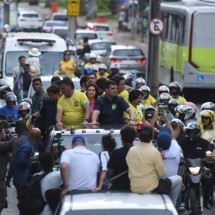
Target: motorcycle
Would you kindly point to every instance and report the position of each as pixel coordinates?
(194, 195)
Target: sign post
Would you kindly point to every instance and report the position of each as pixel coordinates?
(156, 26)
(73, 10)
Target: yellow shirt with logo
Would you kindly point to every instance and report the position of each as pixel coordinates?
(68, 67)
(73, 109)
(125, 95)
(105, 75)
(149, 101)
(181, 100)
(138, 114)
(208, 134)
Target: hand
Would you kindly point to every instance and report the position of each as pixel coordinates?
(7, 182)
(132, 123)
(96, 189)
(59, 124)
(63, 192)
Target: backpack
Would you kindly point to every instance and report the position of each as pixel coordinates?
(30, 200)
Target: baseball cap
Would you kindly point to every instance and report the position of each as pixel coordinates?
(78, 138)
(164, 138)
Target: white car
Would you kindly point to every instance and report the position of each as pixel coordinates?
(117, 203)
(103, 30)
(29, 20)
(61, 31)
(50, 24)
(59, 17)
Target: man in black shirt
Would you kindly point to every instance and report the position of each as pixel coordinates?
(86, 48)
(117, 163)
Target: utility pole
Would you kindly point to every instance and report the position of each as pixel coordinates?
(152, 73)
(72, 28)
(6, 13)
(132, 20)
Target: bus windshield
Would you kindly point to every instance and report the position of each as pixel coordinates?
(49, 61)
(203, 30)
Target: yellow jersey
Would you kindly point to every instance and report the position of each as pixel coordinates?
(181, 100)
(208, 134)
(68, 67)
(149, 101)
(125, 95)
(73, 109)
(138, 114)
(105, 75)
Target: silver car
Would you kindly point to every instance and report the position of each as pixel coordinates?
(116, 203)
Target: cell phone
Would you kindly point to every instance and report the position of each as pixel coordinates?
(161, 108)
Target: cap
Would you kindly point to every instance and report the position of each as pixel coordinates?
(164, 138)
(78, 138)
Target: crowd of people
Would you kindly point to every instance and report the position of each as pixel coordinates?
(104, 98)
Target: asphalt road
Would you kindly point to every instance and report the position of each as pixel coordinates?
(121, 38)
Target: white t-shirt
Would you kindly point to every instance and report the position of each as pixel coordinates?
(172, 159)
(104, 158)
(83, 167)
(34, 63)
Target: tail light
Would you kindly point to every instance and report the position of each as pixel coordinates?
(110, 33)
(143, 61)
(114, 61)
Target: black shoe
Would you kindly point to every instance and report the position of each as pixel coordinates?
(180, 210)
(207, 205)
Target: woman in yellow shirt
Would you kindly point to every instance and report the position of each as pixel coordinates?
(135, 98)
(67, 66)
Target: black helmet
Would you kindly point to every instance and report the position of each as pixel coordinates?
(193, 131)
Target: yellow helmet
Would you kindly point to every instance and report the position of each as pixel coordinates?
(207, 113)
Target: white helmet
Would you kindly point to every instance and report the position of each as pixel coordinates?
(165, 96)
(114, 66)
(140, 80)
(208, 106)
(175, 84)
(102, 66)
(163, 89)
(186, 110)
(92, 55)
(145, 88)
(94, 67)
(10, 97)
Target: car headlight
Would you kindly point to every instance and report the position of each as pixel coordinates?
(194, 170)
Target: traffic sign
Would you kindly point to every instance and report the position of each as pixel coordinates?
(156, 26)
(73, 7)
(8, 1)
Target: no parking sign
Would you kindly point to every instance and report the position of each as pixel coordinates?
(156, 26)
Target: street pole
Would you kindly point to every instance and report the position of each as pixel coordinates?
(152, 73)
(6, 14)
(132, 21)
(72, 28)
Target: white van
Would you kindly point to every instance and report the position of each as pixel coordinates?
(14, 45)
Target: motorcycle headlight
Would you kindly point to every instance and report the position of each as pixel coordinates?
(194, 170)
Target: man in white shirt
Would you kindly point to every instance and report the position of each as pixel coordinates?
(78, 167)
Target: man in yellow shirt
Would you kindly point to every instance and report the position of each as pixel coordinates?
(175, 90)
(148, 99)
(72, 107)
(120, 82)
(102, 71)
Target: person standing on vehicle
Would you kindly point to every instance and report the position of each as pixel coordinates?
(34, 62)
(19, 69)
(120, 82)
(73, 106)
(67, 66)
(79, 167)
(146, 167)
(117, 163)
(194, 146)
(109, 108)
(38, 95)
(86, 48)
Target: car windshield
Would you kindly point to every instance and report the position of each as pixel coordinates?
(63, 33)
(128, 52)
(60, 17)
(101, 46)
(88, 35)
(49, 61)
(120, 212)
(51, 24)
(101, 28)
(30, 15)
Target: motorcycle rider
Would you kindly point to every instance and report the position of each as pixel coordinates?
(184, 113)
(175, 91)
(194, 146)
(207, 126)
